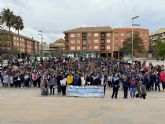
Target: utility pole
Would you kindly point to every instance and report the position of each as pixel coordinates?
(41, 34)
(112, 44)
(0, 29)
(132, 35)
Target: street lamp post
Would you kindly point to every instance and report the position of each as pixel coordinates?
(133, 34)
(41, 34)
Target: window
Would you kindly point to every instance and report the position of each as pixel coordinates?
(15, 38)
(96, 34)
(102, 41)
(122, 34)
(89, 41)
(84, 35)
(116, 47)
(122, 41)
(108, 47)
(84, 47)
(84, 42)
(102, 35)
(96, 41)
(116, 34)
(116, 40)
(89, 34)
(108, 34)
(72, 42)
(78, 47)
(108, 41)
(90, 47)
(102, 47)
(78, 34)
(72, 48)
(72, 35)
(96, 47)
(128, 34)
(78, 41)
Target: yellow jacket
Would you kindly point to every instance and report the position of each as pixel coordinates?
(69, 79)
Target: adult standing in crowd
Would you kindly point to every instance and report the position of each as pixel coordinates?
(52, 83)
(126, 85)
(162, 79)
(63, 85)
(5, 79)
(69, 79)
(133, 87)
(116, 85)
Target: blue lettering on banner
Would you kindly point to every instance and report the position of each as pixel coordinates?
(87, 91)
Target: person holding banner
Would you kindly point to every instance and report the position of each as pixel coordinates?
(63, 86)
(77, 80)
(116, 85)
(69, 79)
(103, 83)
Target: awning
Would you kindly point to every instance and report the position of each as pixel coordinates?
(70, 53)
(85, 52)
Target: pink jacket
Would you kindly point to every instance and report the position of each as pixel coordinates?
(162, 76)
(34, 76)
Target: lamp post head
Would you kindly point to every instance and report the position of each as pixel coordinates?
(135, 17)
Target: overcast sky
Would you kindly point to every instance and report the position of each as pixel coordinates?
(55, 16)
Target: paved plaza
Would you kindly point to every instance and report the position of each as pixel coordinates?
(27, 106)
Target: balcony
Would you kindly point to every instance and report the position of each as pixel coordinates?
(102, 47)
(102, 41)
(84, 36)
(103, 35)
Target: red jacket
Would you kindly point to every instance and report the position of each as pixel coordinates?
(162, 76)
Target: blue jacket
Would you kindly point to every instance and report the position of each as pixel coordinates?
(157, 80)
(146, 80)
(126, 83)
(152, 78)
(116, 81)
(53, 81)
(77, 81)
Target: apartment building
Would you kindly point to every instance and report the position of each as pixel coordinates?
(100, 41)
(158, 35)
(22, 43)
(57, 45)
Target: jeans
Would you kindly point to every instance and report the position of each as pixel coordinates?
(132, 92)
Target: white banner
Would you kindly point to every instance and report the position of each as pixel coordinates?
(85, 91)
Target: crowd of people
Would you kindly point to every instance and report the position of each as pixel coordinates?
(52, 74)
